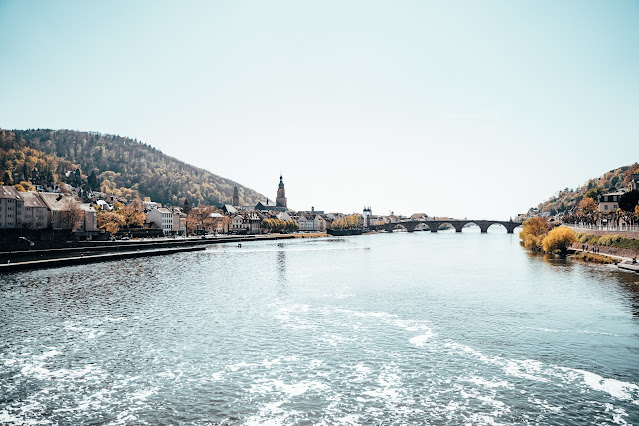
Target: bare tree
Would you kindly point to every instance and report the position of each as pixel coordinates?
(71, 215)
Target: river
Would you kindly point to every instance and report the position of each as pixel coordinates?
(441, 328)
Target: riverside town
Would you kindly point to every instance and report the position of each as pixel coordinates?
(319, 213)
(37, 213)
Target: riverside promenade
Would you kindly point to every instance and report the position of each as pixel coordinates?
(20, 260)
(598, 231)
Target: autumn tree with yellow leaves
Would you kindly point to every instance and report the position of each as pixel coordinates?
(559, 240)
(534, 230)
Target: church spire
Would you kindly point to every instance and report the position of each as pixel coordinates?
(280, 201)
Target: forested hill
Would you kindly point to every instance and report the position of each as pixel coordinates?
(567, 199)
(123, 166)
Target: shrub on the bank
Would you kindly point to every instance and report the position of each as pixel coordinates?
(533, 232)
(596, 258)
(587, 238)
(610, 240)
(618, 241)
(558, 240)
(532, 243)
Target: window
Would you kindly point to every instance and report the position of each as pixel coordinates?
(606, 207)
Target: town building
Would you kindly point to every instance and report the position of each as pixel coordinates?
(609, 202)
(229, 209)
(268, 205)
(311, 222)
(163, 219)
(178, 222)
(63, 210)
(36, 214)
(149, 205)
(89, 223)
(367, 214)
(283, 216)
(10, 204)
(246, 222)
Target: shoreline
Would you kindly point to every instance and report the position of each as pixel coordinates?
(23, 260)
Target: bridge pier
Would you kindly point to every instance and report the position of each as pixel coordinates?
(483, 226)
(410, 226)
(510, 227)
(434, 226)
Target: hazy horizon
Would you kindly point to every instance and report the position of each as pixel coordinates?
(453, 109)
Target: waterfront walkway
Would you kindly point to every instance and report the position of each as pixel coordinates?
(21, 260)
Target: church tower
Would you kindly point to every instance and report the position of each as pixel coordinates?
(236, 197)
(280, 201)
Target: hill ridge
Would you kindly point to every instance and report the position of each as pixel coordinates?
(123, 166)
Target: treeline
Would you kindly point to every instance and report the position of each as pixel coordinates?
(568, 199)
(21, 163)
(353, 221)
(122, 166)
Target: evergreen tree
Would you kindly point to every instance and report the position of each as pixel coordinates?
(186, 207)
(7, 179)
(93, 181)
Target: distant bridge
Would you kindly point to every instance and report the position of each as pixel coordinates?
(434, 224)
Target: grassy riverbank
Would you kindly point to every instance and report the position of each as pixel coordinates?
(616, 245)
(594, 258)
(614, 240)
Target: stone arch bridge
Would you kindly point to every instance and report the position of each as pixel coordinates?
(434, 225)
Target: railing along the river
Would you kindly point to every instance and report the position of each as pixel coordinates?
(618, 228)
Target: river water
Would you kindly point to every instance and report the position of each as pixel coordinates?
(439, 328)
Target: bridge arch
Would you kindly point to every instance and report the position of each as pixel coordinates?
(471, 224)
(422, 227)
(496, 226)
(399, 227)
(445, 225)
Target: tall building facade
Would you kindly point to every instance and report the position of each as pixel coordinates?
(280, 201)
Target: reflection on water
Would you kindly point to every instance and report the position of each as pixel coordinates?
(281, 270)
(403, 328)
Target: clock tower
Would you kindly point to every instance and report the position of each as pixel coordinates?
(280, 201)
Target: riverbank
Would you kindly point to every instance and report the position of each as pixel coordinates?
(619, 245)
(621, 262)
(20, 260)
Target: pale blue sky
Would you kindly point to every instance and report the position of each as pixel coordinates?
(455, 108)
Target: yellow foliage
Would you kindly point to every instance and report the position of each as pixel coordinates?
(533, 233)
(352, 221)
(587, 206)
(559, 239)
(110, 221)
(531, 242)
